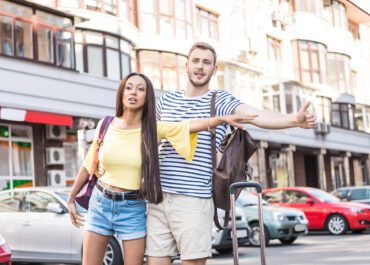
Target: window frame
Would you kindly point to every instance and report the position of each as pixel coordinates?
(104, 47)
(10, 141)
(158, 15)
(312, 47)
(35, 25)
(160, 64)
(211, 17)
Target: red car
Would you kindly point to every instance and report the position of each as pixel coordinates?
(323, 210)
(5, 254)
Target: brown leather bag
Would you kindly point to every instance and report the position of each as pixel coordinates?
(236, 150)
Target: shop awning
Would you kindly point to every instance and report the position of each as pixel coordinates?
(35, 116)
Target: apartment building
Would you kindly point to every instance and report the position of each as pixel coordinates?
(61, 62)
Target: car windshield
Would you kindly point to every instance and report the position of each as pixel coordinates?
(64, 196)
(246, 199)
(323, 196)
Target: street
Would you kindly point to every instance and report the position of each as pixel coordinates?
(318, 249)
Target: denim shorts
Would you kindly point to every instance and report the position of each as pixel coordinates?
(126, 218)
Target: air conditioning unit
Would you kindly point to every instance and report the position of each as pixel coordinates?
(55, 132)
(55, 156)
(57, 178)
(322, 128)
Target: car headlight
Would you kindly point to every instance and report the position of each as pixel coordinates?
(278, 217)
(357, 210)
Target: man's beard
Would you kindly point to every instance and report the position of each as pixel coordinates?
(201, 84)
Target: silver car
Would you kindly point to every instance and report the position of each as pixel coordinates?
(222, 239)
(36, 224)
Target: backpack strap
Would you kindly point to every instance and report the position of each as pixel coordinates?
(102, 131)
(214, 165)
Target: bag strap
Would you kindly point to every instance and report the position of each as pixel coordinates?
(214, 162)
(102, 131)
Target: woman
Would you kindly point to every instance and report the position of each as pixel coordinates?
(129, 157)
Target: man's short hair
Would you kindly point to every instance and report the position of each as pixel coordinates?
(203, 46)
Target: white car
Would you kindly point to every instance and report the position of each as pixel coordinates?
(36, 224)
(222, 239)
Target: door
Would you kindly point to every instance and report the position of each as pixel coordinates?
(11, 216)
(306, 203)
(310, 167)
(45, 235)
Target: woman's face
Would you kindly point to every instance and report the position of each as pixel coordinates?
(134, 93)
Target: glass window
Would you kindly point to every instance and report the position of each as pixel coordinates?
(359, 194)
(312, 6)
(165, 70)
(64, 48)
(23, 39)
(335, 115)
(207, 23)
(6, 36)
(359, 118)
(291, 196)
(113, 67)
(323, 109)
(4, 158)
(21, 158)
(37, 201)
(10, 202)
(339, 72)
(107, 55)
(125, 8)
(166, 17)
(45, 45)
(16, 156)
(273, 197)
(53, 33)
(310, 62)
(95, 62)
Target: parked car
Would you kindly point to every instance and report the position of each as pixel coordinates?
(222, 239)
(282, 223)
(323, 210)
(37, 227)
(5, 253)
(356, 194)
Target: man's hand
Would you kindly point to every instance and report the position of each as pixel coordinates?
(306, 118)
(238, 120)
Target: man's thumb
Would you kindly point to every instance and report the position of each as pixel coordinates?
(306, 105)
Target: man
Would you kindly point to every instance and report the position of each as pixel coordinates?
(183, 221)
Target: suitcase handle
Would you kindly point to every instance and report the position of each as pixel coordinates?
(250, 184)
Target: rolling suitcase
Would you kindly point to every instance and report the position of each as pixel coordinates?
(232, 192)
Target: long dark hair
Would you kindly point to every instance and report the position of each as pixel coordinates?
(150, 178)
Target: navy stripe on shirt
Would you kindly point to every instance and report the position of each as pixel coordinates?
(178, 175)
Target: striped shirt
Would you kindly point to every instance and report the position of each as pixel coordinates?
(177, 175)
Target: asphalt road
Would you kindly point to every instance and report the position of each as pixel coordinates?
(318, 249)
(313, 249)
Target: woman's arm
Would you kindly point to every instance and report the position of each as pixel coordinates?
(76, 218)
(205, 124)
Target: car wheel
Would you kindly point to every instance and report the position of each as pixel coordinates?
(358, 231)
(287, 240)
(225, 250)
(113, 254)
(336, 224)
(254, 238)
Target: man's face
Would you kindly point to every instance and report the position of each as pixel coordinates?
(200, 67)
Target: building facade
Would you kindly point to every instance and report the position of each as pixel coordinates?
(61, 62)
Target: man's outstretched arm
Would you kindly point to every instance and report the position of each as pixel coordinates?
(274, 120)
